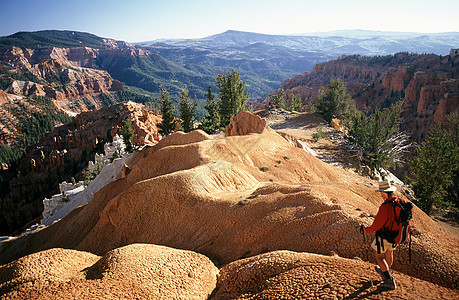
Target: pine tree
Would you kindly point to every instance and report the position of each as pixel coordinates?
(295, 103)
(278, 100)
(167, 125)
(211, 122)
(434, 167)
(186, 111)
(9, 154)
(127, 132)
(232, 96)
(377, 139)
(334, 101)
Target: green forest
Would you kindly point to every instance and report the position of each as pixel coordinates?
(34, 124)
(52, 38)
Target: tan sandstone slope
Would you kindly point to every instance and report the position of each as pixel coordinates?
(137, 271)
(236, 197)
(143, 271)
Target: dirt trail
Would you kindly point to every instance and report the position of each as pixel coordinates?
(303, 126)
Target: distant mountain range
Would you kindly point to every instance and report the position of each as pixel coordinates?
(76, 72)
(263, 59)
(334, 43)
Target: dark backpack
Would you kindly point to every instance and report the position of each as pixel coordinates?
(403, 219)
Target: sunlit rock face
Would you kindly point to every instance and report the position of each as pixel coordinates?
(235, 197)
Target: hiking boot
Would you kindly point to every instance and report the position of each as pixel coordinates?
(388, 284)
(378, 270)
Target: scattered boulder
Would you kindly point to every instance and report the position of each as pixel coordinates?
(245, 123)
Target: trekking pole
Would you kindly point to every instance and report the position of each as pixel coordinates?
(362, 231)
(409, 251)
(371, 280)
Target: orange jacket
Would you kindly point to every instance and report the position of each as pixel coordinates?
(384, 219)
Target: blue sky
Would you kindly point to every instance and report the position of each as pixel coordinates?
(142, 20)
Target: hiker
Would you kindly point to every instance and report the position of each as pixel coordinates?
(386, 228)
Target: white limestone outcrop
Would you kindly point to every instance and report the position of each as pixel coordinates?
(74, 195)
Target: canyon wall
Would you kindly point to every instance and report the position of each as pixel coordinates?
(428, 84)
(64, 153)
(68, 76)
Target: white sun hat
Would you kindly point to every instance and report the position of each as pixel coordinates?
(385, 186)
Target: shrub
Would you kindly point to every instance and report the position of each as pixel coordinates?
(334, 101)
(376, 139)
(127, 132)
(90, 175)
(434, 168)
(318, 135)
(295, 103)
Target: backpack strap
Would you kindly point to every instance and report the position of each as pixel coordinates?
(362, 231)
(397, 203)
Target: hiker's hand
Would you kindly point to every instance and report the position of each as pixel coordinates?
(362, 229)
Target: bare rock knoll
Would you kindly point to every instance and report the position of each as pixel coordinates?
(144, 271)
(236, 197)
(291, 275)
(137, 271)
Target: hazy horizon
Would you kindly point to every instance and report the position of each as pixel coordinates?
(142, 20)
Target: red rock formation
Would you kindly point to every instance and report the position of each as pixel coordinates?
(429, 97)
(69, 71)
(16, 56)
(61, 154)
(426, 83)
(449, 100)
(144, 123)
(396, 79)
(77, 56)
(349, 72)
(245, 123)
(239, 196)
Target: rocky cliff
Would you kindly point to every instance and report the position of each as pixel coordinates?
(67, 76)
(64, 153)
(37, 87)
(239, 196)
(428, 84)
